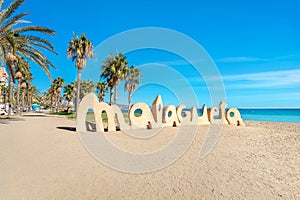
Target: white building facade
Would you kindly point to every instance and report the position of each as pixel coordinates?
(3, 81)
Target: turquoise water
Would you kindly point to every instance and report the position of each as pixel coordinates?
(271, 115)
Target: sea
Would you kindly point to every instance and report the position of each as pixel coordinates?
(271, 115)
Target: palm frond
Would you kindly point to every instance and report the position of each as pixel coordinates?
(39, 29)
(43, 47)
(39, 40)
(1, 2)
(14, 21)
(6, 13)
(43, 64)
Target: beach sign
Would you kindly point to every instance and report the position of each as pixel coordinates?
(155, 117)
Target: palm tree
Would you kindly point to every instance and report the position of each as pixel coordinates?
(22, 73)
(17, 42)
(79, 49)
(11, 62)
(114, 70)
(4, 91)
(57, 84)
(101, 90)
(51, 96)
(23, 86)
(86, 88)
(18, 76)
(29, 79)
(132, 82)
(35, 94)
(45, 99)
(106, 74)
(69, 94)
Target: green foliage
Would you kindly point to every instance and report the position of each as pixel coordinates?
(102, 89)
(20, 41)
(132, 79)
(86, 87)
(64, 113)
(69, 91)
(80, 49)
(114, 69)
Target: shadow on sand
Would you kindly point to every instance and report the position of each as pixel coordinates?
(67, 128)
(33, 115)
(6, 120)
(90, 126)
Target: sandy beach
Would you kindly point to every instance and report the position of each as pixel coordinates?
(41, 157)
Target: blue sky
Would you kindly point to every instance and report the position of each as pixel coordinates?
(255, 44)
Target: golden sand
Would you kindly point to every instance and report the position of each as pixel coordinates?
(41, 157)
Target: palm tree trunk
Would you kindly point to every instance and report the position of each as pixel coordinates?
(23, 100)
(10, 98)
(115, 89)
(30, 100)
(110, 95)
(68, 106)
(28, 97)
(3, 92)
(4, 100)
(129, 100)
(18, 95)
(51, 104)
(78, 89)
(56, 103)
(116, 94)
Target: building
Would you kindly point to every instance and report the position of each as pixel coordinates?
(4, 76)
(3, 81)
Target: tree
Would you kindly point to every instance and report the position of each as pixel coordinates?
(18, 76)
(17, 42)
(57, 87)
(114, 70)
(86, 88)
(51, 95)
(11, 62)
(23, 86)
(45, 100)
(21, 75)
(79, 49)
(69, 94)
(106, 74)
(132, 82)
(29, 79)
(101, 90)
(35, 94)
(4, 91)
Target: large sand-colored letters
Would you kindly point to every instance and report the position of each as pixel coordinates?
(156, 117)
(236, 119)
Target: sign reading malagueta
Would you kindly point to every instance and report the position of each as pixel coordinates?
(155, 117)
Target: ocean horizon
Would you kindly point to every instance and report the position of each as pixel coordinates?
(271, 114)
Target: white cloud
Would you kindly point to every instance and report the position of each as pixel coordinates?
(279, 96)
(280, 79)
(241, 59)
(256, 59)
(179, 62)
